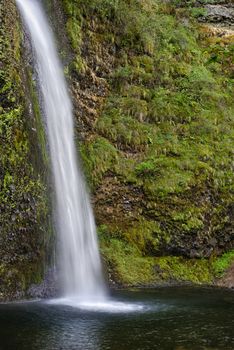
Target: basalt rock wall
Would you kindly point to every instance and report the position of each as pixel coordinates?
(152, 89)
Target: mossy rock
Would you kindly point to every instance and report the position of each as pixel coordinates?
(24, 205)
(158, 155)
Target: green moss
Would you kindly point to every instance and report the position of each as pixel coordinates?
(144, 234)
(198, 12)
(23, 200)
(40, 130)
(133, 269)
(179, 269)
(74, 32)
(222, 263)
(98, 157)
(163, 135)
(123, 130)
(128, 265)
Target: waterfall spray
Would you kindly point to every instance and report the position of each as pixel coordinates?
(80, 263)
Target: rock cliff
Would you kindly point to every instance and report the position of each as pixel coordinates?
(25, 232)
(152, 87)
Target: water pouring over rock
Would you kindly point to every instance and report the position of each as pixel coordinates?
(79, 258)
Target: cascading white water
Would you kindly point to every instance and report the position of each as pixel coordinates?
(79, 256)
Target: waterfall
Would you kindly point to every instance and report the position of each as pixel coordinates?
(80, 264)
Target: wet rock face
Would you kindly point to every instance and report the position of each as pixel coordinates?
(227, 280)
(23, 196)
(220, 14)
(48, 288)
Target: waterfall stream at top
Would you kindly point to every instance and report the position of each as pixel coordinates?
(80, 264)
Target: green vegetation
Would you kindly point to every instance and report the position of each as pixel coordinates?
(23, 200)
(98, 156)
(163, 137)
(155, 92)
(131, 268)
(221, 264)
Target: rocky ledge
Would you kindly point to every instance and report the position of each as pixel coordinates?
(228, 279)
(221, 15)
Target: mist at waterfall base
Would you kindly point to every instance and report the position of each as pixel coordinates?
(79, 260)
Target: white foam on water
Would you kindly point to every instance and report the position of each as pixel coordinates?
(106, 306)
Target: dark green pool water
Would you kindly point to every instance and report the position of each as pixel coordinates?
(172, 318)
